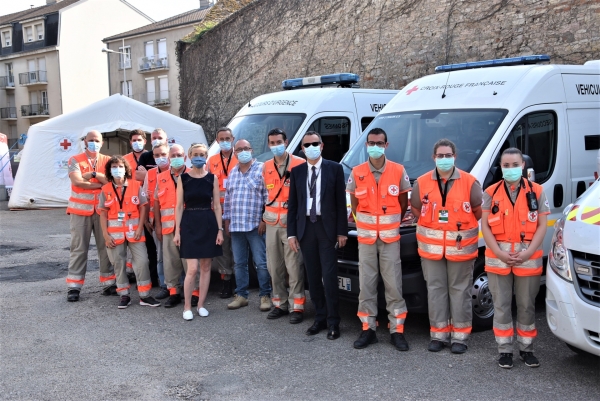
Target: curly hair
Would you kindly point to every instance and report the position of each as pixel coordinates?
(117, 159)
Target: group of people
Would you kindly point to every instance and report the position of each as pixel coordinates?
(291, 213)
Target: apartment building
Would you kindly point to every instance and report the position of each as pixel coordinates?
(51, 59)
(142, 62)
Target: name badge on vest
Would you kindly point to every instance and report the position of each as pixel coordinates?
(443, 216)
(121, 216)
(225, 183)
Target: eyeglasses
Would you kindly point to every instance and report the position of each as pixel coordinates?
(442, 155)
(306, 145)
(240, 150)
(379, 144)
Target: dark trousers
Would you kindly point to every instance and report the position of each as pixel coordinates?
(152, 257)
(320, 260)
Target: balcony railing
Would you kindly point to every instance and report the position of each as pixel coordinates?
(151, 63)
(34, 110)
(32, 77)
(7, 82)
(156, 99)
(8, 112)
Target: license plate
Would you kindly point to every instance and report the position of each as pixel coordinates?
(344, 283)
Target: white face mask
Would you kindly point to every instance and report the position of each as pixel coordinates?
(117, 172)
(312, 152)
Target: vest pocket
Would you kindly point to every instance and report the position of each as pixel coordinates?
(530, 220)
(362, 194)
(496, 222)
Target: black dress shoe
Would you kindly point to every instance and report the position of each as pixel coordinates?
(435, 346)
(110, 290)
(334, 332)
(194, 301)
(173, 301)
(399, 341)
(316, 328)
(458, 348)
(366, 338)
(296, 317)
(276, 313)
(73, 296)
(226, 290)
(163, 293)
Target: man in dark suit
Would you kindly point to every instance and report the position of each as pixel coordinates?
(317, 224)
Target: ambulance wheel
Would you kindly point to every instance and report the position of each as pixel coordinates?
(483, 306)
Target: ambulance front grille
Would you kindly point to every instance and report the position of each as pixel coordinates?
(587, 276)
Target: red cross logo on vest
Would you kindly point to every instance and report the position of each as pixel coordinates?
(64, 144)
(135, 200)
(467, 207)
(413, 89)
(532, 217)
(393, 190)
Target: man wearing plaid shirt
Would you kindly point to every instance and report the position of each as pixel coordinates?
(245, 197)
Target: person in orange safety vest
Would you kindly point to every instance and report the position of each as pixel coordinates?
(122, 206)
(378, 192)
(448, 203)
(87, 175)
(283, 263)
(514, 225)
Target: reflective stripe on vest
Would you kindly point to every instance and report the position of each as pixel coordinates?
(82, 201)
(216, 167)
(436, 239)
(531, 267)
(276, 212)
(167, 197)
(378, 210)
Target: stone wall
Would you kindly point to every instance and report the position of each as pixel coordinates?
(388, 43)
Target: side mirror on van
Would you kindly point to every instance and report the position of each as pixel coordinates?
(528, 171)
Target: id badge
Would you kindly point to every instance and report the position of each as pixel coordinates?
(225, 183)
(121, 216)
(424, 209)
(443, 216)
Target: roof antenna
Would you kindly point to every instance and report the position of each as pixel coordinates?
(444, 94)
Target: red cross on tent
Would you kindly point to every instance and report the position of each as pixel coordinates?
(65, 144)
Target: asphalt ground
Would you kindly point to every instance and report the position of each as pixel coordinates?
(90, 350)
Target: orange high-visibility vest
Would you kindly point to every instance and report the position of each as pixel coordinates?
(82, 201)
(437, 239)
(216, 166)
(152, 177)
(130, 203)
(507, 225)
(378, 213)
(133, 163)
(279, 190)
(167, 198)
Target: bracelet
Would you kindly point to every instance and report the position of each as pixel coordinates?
(221, 228)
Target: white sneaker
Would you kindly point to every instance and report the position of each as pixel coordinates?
(188, 315)
(202, 312)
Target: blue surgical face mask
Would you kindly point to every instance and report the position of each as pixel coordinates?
(162, 162)
(445, 164)
(198, 161)
(117, 172)
(225, 146)
(245, 156)
(375, 151)
(312, 152)
(177, 162)
(137, 146)
(512, 174)
(156, 142)
(94, 146)
(278, 150)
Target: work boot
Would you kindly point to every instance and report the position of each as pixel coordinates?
(458, 348)
(163, 293)
(435, 346)
(296, 317)
(73, 295)
(173, 301)
(226, 290)
(265, 303)
(529, 359)
(366, 337)
(238, 302)
(276, 313)
(398, 341)
(110, 290)
(505, 361)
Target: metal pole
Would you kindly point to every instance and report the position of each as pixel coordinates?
(124, 67)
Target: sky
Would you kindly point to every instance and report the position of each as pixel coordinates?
(155, 9)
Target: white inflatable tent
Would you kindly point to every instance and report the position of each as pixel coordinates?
(42, 179)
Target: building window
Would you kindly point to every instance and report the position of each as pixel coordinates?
(149, 49)
(39, 31)
(127, 89)
(28, 34)
(162, 47)
(125, 59)
(6, 39)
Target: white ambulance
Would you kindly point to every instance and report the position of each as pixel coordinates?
(550, 112)
(330, 104)
(573, 276)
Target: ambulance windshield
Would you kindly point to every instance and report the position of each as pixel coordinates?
(411, 136)
(254, 128)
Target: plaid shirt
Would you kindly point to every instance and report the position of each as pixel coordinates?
(245, 197)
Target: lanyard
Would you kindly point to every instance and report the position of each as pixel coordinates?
(287, 163)
(439, 182)
(508, 193)
(137, 160)
(117, 195)
(93, 164)
(228, 163)
(174, 180)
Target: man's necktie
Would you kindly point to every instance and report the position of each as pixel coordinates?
(313, 193)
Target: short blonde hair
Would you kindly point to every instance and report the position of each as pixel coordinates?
(197, 145)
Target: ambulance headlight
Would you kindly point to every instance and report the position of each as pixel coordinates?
(558, 258)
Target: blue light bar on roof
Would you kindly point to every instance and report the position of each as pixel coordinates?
(331, 79)
(535, 59)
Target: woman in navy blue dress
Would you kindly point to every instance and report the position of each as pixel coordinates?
(199, 229)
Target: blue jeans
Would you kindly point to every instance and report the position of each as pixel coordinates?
(240, 241)
(159, 261)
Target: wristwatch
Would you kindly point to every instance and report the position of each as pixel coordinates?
(93, 174)
(221, 228)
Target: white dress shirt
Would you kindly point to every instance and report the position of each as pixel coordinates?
(317, 187)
